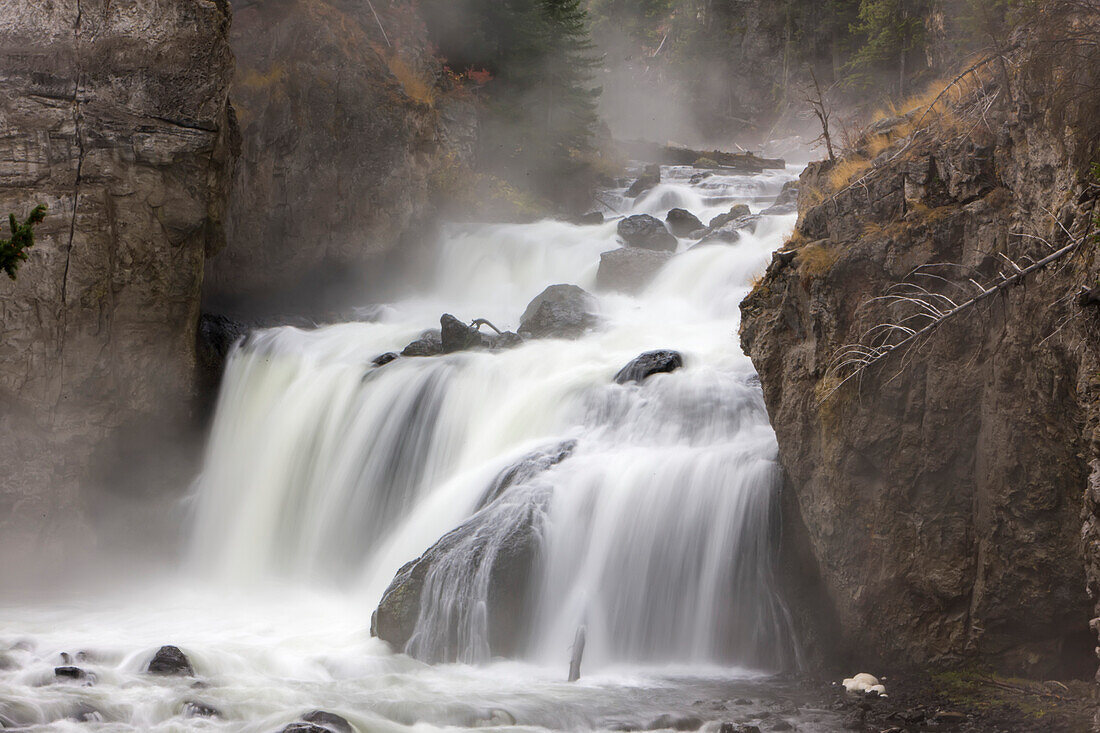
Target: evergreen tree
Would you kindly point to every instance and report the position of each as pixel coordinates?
(13, 252)
(892, 33)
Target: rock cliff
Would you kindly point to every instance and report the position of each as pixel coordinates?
(114, 113)
(938, 497)
(343, 125)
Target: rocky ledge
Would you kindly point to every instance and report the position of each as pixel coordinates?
(934, 502)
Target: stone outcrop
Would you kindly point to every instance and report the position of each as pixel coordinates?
(629, 269)
(938, 499)
(342, 135)
(560, 311)
(115, 114)
(646, 232)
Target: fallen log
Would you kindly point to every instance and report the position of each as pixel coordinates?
(651, 152)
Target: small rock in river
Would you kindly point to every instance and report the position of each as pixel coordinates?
(169, 660)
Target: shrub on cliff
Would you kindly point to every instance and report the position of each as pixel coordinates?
(14, 251)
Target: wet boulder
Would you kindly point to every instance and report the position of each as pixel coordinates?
(429, 343)
(789, 193)
(780, 209)
(646, 365)
(628, 270)
(383, 359)
(676, 722)
(457, 336)
(589, 219)
(560, 311)
(326, 722)
(730, 232)
(169, 660)
(682, 222)
(736, 211)
(434, 613)
(646, 232)
(197, 709)
(650, 178)
(527, 468)
(72, 673)
(504, 552)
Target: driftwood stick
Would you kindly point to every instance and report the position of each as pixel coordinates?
(479, 322)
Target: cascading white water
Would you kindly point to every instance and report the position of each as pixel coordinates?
(657, 533)
(652, 505)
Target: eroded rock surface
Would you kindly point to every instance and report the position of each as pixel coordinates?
(115, 114)
(940, 496)
(341, 135)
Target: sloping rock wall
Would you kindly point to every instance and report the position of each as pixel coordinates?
(940, 495)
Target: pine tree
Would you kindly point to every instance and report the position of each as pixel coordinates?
(893, 31)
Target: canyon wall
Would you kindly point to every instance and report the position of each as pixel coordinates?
(115, 114)
(343, 126)
(938, 497)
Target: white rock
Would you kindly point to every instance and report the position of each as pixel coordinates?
(864, 682)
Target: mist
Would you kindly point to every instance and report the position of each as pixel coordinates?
(565, 365)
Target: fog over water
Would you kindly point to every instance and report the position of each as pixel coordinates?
(324, 475)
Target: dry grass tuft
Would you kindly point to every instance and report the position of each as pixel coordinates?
(846, 170)
(418, 87)
(817, 259)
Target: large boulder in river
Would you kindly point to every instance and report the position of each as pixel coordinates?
(646, 232)
(682, 222)
(648, 364)
(435, 613)
(560, 311)
(628, 270)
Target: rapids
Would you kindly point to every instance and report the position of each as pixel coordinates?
(324, 475)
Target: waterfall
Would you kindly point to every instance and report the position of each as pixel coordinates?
(655, 528)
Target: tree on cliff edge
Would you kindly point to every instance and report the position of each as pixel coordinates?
(13, 252)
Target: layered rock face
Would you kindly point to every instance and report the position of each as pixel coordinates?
(342, 130)
(114, 113)
(938, 498)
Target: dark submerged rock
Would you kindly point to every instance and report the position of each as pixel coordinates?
(383, 359)
(563, 311)
(591, 218)
(169, 660)
(73, 673)
(676, 722)
(430, 343)
(682, 222)
(646, 365)
(643, 230)
(330, 721)
(196, 709)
